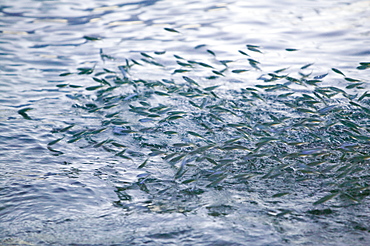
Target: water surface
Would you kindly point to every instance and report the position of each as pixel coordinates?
(75, 194)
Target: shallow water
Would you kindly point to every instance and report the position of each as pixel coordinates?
(73, 194)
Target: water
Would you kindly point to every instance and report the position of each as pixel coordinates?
(74, 194)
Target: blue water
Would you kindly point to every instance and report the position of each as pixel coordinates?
(70, 194)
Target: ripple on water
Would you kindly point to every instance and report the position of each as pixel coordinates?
(66, 194)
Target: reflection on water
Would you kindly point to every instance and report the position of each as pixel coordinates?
(75, 194)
